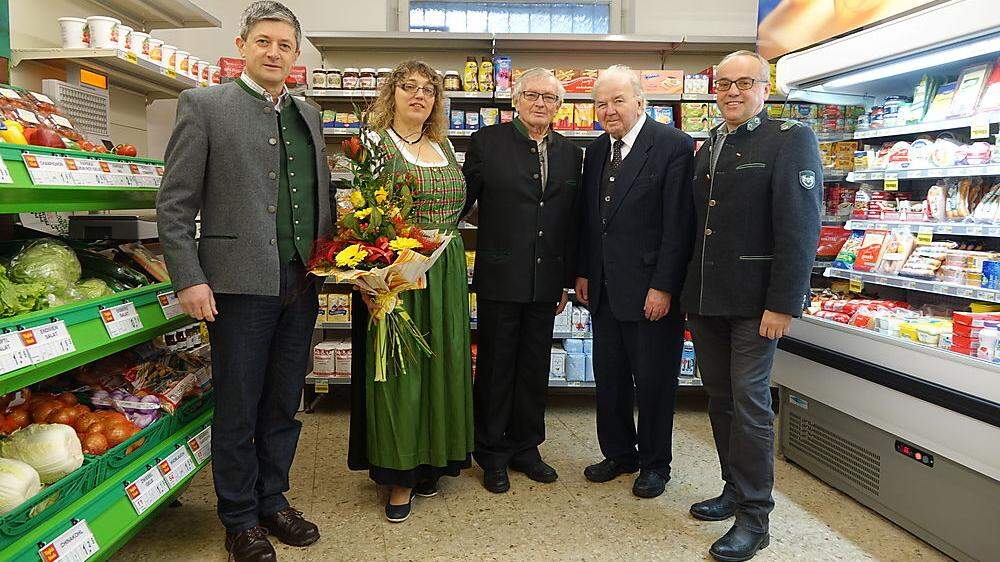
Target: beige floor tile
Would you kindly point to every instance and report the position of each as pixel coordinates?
(571, 519)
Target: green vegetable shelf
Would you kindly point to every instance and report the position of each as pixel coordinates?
(72, 180)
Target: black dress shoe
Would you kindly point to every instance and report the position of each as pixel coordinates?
(399, 513)
(250, 546)
(290, 527)
(649, 484)
(739, 545)
(715, 509)
(426, 489)
(496, 480)
(607, 470)
(537, 471)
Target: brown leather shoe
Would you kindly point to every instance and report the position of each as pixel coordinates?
(250, 546)
(290, 527)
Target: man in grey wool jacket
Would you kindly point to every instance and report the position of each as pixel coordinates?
(252, 160)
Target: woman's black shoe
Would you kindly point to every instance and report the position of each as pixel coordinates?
(398, 513)
(426, 489)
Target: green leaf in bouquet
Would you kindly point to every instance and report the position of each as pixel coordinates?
(375, 219)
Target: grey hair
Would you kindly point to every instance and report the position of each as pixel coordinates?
(620, 70)
(269, 10)
(765, 65)
(534, 74)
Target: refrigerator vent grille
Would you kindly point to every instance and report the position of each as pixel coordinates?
(89, 108)
(857, 464)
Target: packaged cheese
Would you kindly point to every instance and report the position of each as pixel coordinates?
(871, 250)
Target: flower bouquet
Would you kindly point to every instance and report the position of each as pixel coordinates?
(380, 253)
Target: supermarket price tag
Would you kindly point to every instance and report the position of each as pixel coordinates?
(966, 293)
(856, 285)
(146, 489)
(47, 170)
(42, 98)
(47, 342)
(28, 116)
(891, 181)
(322, 387)
(13, 354)
(75, 545)
(120, 320)
(925, 235)
(9, 94)
(986, 295)
(61, 121)
(201, 445)
(5, 176)
(944, 229)
(980, 129)
(169, 304)
(131, 57)
(169, 73)
(176, 467)
(974, 230)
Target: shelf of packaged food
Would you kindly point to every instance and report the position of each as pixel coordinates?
(86, 330)
(123, 68)
(833, 137)
(952, 228)
(936, 287)
(945, 125)
(372, 94)
(835, 175)
(106, 508)
(334, 325)
(833, 220)
(161, 14)
(22, 195)
(903, 343)
(945, 172)
(321, 379)
(580, 134)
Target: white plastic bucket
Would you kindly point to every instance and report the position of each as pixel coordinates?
(201, 71)
(181, 62)
(214, 76)
(168, 56)
(74, 33)
(154, 49)
(103, 32)
(192, 67)
(124, 38)
(139, 45)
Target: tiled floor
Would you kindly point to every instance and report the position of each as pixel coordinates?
(571, 519)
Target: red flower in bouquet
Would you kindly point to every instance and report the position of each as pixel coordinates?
(354, 149)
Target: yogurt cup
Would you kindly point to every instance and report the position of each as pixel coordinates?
(154, 49)
(168, 56)
(103, 32)
(139, 43)
(181, 62)
(75, 34)
(125, 38)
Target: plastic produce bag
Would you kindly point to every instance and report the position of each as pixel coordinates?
(46, 261)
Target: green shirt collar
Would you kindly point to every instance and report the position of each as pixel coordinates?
(523, 129)
(258, 91)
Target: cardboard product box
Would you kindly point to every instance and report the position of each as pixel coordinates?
(329, 118)
(663, 114)
(695, 124)
(325, 358)
(564, 118)
(696, 84)
(713, 110)
(583, 116)
(774, 110)
(502, 74)
(297, 79)
(710, 72)
(338, 308)
(488, 116)
(506, 115)
(557, 364)
(564, 321)
(230, 68)
(473, 308)
(470, 263)
(661, 81)
(457, 120)
(515, 75)
(774, 79)
(343, 355)
(582, 82)
(692, 110)
(565, 76)
(323, 303)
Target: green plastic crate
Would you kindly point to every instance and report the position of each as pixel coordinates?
(191, 409)
(51, 500)
(118, 457)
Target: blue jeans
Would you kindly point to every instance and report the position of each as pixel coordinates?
(260, 353)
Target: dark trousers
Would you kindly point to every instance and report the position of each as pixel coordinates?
(260, 352)
(735, 364)
(637, 362)
(512, 378)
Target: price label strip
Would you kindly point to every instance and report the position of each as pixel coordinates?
(121, 320)
(176, 467)
(322, 388)
(75, 545)
(891, 181)
(169, 304)
(146, 490)
(201, 445)
(980, 129)
(47, 342)
(856, 285)
(13, 354)
(5, 176)
(925, 235)
(47, 170)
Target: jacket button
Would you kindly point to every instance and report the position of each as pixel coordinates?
(272, 175)
(540, 233)
(711, 202)
(534, 176)
(541, 203)
(272, 141)
(272, 209)
(708, 177)
(539, 260)
(274, 242)
(292, 174)
(534, 150)
(708, 232)
(268, 109)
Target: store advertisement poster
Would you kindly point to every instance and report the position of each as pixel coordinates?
(784, 26)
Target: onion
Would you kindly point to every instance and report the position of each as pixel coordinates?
(95, 443)
(117, 395)
(19, 416)
(117, 435)
(62, 415)
(150, 399)
(67, 398)
(41, 411)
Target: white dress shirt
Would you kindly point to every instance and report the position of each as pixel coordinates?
(629, 139)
